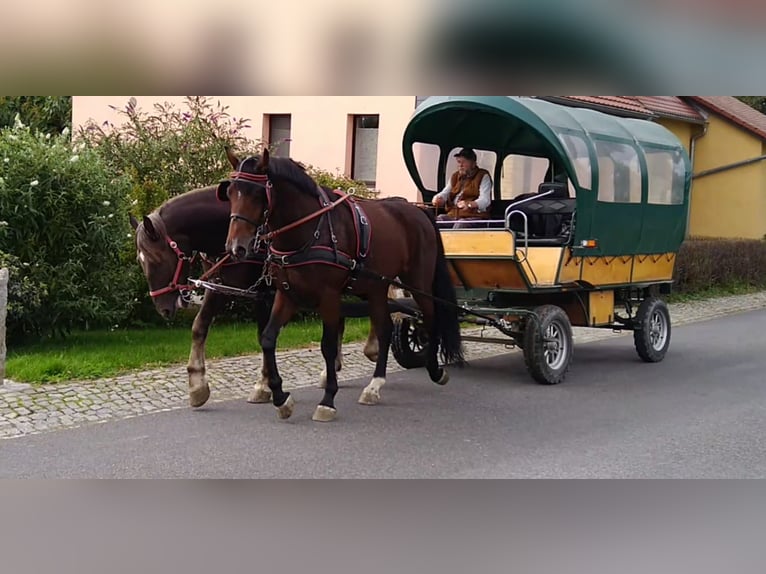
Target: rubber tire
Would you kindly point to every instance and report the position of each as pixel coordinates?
(401, 348)
(534, 353)
(642, 330)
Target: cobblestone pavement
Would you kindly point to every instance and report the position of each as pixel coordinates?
(31, 410)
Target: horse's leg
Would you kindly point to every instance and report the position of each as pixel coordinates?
(329, 310)
(380, 318)
(261, 394)
(371, 348)
(339, 358)
(281, 313)
(427, 308)
(199, 390)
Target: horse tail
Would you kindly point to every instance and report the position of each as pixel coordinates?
(446, 327)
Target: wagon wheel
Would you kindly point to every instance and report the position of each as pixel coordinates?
(548, 345)
(409, 343)
(652, 330)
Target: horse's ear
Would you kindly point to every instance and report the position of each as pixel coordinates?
(133, 222)
(233, 159)
(223, 191)
(151, 232)
(264, 163)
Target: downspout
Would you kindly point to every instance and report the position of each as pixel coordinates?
(692, 154)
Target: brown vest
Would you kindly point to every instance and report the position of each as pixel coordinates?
(471, 189)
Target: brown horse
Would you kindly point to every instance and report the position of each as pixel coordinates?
(323, 244)
(196, 222)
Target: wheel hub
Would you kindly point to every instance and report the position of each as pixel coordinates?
(657, 331)
(554, 347)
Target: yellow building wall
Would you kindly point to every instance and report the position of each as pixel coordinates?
(730, 204)
(682, 130)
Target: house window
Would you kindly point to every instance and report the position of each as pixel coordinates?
(364, 159)
(279, 133)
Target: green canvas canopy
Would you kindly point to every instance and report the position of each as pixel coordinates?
(632, 177)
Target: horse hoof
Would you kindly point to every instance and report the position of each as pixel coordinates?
(324, 414)
(286, 410)
(370, 397)
(259, 397)
(445, 378)
(199, 398)
(323, 380)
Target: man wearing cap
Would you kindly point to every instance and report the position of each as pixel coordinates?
(468, 194)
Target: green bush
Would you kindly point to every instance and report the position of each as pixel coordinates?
(720, 264)
(172, 150)
(339, 181)
(47, 113)
(64, 228)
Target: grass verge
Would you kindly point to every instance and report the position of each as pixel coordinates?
(714, 293)
(102, 354)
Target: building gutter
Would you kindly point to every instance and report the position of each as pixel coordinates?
(692, 153)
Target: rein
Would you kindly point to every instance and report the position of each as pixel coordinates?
(263, 181)
(311, 217)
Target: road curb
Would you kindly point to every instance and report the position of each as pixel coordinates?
(26, 410)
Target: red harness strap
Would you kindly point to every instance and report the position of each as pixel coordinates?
(174, 286)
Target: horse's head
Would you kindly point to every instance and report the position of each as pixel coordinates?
(164, 264)
(249, 192)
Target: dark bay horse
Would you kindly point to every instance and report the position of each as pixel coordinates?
(197, 222)
(323, 244)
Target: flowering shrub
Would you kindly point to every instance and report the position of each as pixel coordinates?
(64, 228)
(338, 180)
(169, 151)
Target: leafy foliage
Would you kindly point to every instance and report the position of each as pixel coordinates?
(64, 228)
(339, 181)
(49, 114)
(169, 151)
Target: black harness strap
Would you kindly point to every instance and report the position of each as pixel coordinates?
(331, 255)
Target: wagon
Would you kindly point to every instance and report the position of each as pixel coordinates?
(588, 215)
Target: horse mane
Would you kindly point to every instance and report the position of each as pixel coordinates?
(185, 197)
(293, 172)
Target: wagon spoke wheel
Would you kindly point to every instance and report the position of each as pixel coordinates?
(409, 343)
(548, 345)
(652, 330)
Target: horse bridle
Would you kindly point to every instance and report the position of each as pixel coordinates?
(174, 286)
(261, 181)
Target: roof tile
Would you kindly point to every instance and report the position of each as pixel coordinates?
(735, 111)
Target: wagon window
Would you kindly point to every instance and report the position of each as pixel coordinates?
(578, 153)
(427, 163)
(522, 174)
(619, 173)
(485, 160)
(666, 177)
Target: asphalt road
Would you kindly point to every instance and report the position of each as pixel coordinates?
(699, 414)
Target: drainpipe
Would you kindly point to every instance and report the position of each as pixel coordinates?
(692, 154)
